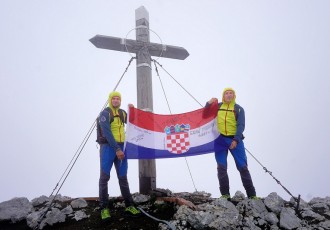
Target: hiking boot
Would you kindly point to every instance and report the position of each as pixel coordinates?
(225, 196)
(254, 198)
(132, 211)
(105, 214)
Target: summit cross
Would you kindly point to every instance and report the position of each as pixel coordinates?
(143, 49)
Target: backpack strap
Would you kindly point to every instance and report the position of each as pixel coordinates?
(99, 136)
(237, 110)
(121, 114)
(111, 116)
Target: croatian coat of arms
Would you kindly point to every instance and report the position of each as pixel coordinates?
(177, 138)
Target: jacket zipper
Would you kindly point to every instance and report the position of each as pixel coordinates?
(119, 129)
(226, 120)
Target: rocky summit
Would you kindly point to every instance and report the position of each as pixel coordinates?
(166, 210)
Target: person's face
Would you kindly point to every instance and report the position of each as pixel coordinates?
(228, 96)
(115, 101)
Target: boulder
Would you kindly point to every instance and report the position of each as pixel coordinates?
(40, 200)
(78, 203)
(79, 215)
(274, 202)
(52, 217)
(288, 219)
(15, 209)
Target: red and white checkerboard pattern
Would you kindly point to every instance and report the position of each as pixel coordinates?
(178, 143)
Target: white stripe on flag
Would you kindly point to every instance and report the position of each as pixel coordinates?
(157, 140)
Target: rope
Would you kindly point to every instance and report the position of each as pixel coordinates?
(178, 83)
(190, 174)
(129, 63)
(172, 227)
(161, 83)
(77, 153)
(271, 174)
(168, 105)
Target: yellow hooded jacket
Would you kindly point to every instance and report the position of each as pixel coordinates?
(117, 126)
(227, 124)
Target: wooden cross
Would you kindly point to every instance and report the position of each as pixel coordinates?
(143, 49)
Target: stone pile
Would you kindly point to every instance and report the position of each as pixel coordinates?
(271, 212)
(18, 209)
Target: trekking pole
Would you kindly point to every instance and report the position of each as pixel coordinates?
(278, 182)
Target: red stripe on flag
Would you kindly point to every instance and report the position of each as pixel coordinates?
(158, 122)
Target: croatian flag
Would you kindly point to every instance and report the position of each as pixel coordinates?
(151, 136)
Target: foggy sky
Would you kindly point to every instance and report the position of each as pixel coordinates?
(54, 82)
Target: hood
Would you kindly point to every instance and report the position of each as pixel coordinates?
(229, 89)
(111, 95)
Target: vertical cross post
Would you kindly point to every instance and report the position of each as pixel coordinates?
(147, 168)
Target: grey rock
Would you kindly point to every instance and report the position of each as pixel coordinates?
(316, 200)
(325, 224)
(248, 222)
(159, 202)
(320, 207)
(40, 200)
(261, 222)
(288, 219)
(258, 208)
(33, 218)
(60, 198)
(162, 192)
(271, 218)
(197, 197)
(239, 196)
(225, 222)
(274, 202)
(140, 198)
(274, 227)
(52, 217)
(175, 224)
(220, 214)
(212, 213)
(67, 210)
(183, 223)
(182, 213)
(308, 213)
(119, 205)
(255, 208)
(162, 226)
(224, 204)
(15, 209)
(200, 219)
(79, 215)
(201, 193)
(78, 203)
(57, 205)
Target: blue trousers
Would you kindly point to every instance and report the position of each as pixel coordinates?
(108, 158)
(241, 164)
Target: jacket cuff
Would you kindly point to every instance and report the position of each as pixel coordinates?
(237, 139)
(117, 148)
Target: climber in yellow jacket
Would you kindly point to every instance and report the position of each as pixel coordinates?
(111, 137)
(231, 124)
